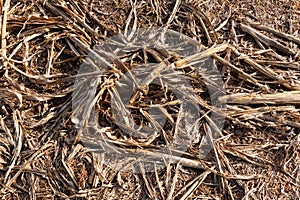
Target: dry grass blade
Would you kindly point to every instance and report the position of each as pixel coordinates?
(149, 187)
(266, 71)
(276, 32)
(18, 146)
(266, 40)
(245, 75)
(194, 184)
(66, 132)
(173, 184)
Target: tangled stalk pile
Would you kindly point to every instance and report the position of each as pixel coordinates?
(255, 48)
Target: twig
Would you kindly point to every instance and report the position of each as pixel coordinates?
(292, 97)
(201, 55)
(4, 34)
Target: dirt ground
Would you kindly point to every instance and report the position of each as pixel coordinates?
(255, 46)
